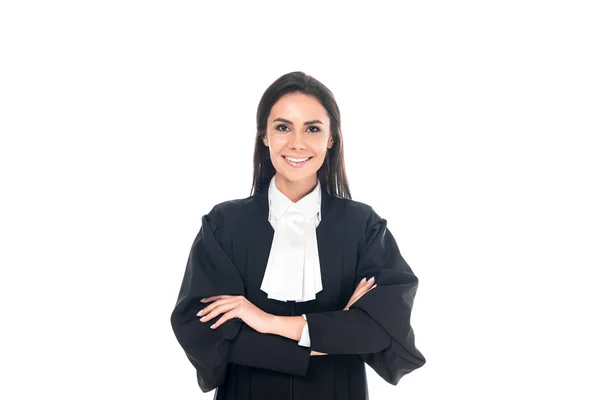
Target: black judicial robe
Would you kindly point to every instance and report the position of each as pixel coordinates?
(229, 256)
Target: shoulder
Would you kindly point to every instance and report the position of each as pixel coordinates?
(362, 214)
(221, 214)
(229, 206)
(355, 208)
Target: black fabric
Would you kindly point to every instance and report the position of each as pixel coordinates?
(229, 256)
(379, 321)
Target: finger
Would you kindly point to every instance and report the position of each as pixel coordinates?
(211, 298)
(217, 303)
(353, 299)
(222, 309)
(210, 307)
(363, 292)
(363, 286)
(360, 292)
(354, 296)
(362, 282)
(363, 289)
(349, 303)
(226, 317)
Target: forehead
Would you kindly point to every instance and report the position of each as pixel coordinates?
(298, 106)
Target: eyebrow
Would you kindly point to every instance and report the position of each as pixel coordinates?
(314, 121)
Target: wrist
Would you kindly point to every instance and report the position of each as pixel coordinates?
(273, 325)
(288, 327)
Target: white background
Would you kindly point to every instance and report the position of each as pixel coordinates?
(471, 126)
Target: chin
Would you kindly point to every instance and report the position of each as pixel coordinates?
(294, 176)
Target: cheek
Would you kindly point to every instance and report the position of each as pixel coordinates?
(276, 142)
(275, 149)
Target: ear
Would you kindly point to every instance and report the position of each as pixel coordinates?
(330, 142)
(265, 140)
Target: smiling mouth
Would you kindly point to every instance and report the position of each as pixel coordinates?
(296, 162)
(294, 159)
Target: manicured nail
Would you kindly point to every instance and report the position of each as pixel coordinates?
(374, 286)
(203, 318)
(371, 280)
(363, 280)
(212, 326)
(202, 300)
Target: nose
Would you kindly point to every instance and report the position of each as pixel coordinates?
(297, 139)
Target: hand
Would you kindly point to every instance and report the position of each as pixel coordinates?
(235, 307)
(363, 287)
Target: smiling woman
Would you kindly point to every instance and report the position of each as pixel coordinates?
(276, 300)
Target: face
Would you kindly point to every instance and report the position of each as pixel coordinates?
(298, 128)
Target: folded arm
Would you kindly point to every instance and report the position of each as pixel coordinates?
(377, 326)
(209, 272)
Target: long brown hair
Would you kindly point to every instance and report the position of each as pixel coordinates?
(332, 173)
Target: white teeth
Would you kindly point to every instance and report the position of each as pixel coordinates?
(297, 159)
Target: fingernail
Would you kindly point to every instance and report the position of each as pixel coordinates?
(203, 318)
(375, 285)
(371, 280)
(202, 300)
(363, 280)
(212, 326)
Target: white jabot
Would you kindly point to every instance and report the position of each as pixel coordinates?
(293, 270)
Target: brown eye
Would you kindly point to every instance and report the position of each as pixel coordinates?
(316, 129)
(279, 126)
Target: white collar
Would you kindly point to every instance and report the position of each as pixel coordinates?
(279, 203)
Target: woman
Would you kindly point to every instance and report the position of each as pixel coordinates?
(273, 304)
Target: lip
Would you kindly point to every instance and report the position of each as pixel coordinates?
(296, 165)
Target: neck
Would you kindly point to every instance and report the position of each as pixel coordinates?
(295, 190)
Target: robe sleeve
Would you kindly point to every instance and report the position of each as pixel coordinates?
(210, 272)
(377, 326)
